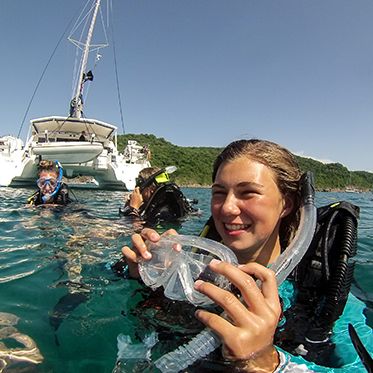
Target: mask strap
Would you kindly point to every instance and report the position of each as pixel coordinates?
(153, 178)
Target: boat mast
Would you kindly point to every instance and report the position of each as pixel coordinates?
(77, 102)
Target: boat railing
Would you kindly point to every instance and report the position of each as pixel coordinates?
(135, 153)
(10, 145)
(69, 137)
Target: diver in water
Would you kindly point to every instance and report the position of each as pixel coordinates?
(156, 199)
(256, 212)
(51, 189)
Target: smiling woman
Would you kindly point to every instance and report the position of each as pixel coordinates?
(255, 207)
(255, 199)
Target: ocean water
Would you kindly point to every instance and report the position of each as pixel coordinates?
(62, 307)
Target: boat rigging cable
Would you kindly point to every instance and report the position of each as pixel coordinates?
(78, 79)
(50, 59)
(116, 76)
(78, 43)
(42, 75)
(97, 47)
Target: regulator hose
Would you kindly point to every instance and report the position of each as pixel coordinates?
(340, 282)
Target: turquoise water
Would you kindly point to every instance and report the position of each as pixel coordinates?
(60, 298)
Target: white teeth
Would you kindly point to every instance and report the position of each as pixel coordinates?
(236, 227)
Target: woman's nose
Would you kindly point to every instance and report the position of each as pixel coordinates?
(230, 206)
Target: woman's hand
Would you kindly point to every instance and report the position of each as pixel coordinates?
(139, 249)
(250, 323)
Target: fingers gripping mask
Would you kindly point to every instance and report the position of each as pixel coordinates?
(177, 269)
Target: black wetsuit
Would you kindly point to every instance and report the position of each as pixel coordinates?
(128, 210)
(167, 204)
(61, 198)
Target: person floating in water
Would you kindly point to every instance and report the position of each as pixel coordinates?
(156, 199)
(51, 189)
(256, 211)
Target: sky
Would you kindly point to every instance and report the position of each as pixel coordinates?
(203, 72)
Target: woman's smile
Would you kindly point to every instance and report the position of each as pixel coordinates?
(235, 229)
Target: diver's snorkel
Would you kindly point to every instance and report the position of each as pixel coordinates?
(45, 198)
(293, 254)
(160, 176)
(207, 341)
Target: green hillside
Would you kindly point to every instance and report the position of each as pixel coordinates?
(195, 165)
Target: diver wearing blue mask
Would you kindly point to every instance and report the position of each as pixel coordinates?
(51, 189)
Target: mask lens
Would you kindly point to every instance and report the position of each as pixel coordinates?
(44, 181)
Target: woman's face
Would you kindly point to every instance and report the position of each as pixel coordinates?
(247, 207)
(47, 182)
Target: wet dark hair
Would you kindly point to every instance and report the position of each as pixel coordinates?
(148, 171)
(285, 170)
(142, 178)
(47, 165)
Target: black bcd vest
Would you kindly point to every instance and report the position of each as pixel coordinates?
(323, 280)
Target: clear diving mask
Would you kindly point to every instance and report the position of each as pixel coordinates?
(177, 270)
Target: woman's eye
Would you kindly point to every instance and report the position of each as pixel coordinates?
(249, 193)
(218, 193)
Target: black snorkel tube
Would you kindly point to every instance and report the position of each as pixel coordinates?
(207, 341)
(46, 198)
(142, 184)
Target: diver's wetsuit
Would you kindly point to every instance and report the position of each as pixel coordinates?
(128, 210)
(167, 204)
(61, 198)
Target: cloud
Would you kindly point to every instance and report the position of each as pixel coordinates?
(325, 161)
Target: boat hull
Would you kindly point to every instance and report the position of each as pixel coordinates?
(55, 138)
(69, 152)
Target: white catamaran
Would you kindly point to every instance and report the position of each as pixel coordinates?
(84, 147)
